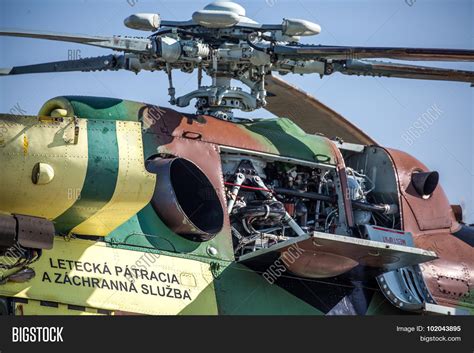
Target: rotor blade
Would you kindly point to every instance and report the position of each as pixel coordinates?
(132, 45)
(100, 63)
(348, 53)
(376, 68)
(311, 115)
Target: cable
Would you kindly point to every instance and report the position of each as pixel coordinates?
(327, 219)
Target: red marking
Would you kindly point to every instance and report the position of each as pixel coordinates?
(290, 208)
(249, 187)
(389, 230)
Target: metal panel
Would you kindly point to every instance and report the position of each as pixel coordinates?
(391, 236)
(274, 157)
(362, 251)
(29, 141)
(7, 230)
(35, 233)
(133, 188)
(443, 310)
(430, 213)
(90, 274)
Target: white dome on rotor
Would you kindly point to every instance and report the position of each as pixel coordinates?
(221, 14)
(226, 6)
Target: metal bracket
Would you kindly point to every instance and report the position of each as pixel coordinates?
(435, 309)
(405, 287)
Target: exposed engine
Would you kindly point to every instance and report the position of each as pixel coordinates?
(270, 200)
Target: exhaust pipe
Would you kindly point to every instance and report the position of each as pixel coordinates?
(425, 183)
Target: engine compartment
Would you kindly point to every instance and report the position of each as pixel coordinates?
(271, 199)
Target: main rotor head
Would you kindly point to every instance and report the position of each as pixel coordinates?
(223, 43)
(218, 41)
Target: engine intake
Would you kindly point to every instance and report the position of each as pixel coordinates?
(185, 199)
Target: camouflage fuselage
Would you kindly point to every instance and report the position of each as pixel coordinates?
(128, 260)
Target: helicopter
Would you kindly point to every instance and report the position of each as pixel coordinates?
(116, 207)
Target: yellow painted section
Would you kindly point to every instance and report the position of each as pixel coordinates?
(25, 144)
(26, 141)
(81, 272)
(34, 307)
(134, 187)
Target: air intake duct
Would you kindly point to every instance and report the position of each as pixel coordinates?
(185, 199)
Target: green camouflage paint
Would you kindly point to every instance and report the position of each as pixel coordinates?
(101, 176)
(238, 289)
(288, 139)
(95, 108)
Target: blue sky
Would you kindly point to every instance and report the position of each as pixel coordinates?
(384, 108)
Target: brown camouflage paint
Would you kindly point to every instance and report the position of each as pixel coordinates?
(450, 278)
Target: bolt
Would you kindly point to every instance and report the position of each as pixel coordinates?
(211, 250)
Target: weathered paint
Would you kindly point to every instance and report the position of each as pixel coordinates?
(99, 180)
(206, 157)
(167, 131)
(275, 136)
(94, 108)
(119, 185)
(432, 213)
(215, 287)
(147, 231)
(178, 285)
(450, 278)
(241, 291)
(46, 145)
(101, 176)
(225, 287)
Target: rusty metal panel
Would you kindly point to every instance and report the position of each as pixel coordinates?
(450, 278)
